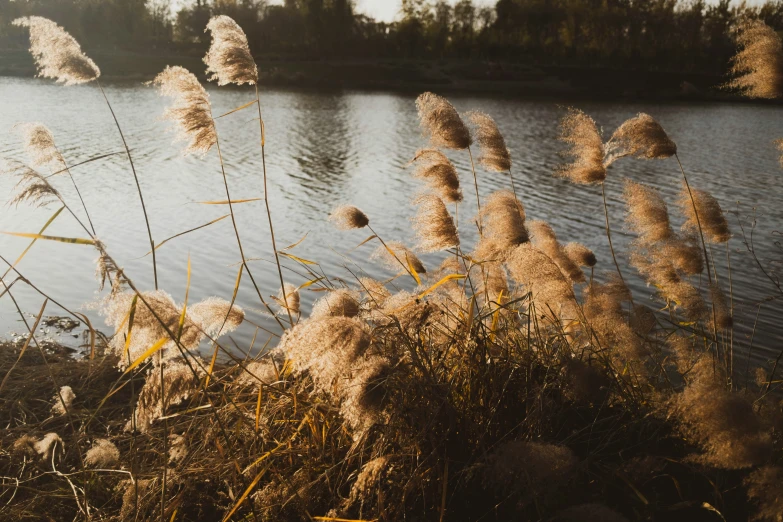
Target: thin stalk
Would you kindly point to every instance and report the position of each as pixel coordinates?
(609, 237)
(138, 186)
(165, 441)
(703, 243)
(236, 230)
(78, 193)
(266, 202)
(475, 183)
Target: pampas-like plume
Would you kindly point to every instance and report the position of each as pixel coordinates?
(337, 303)
(648, 215)
(434, 225)
(57, 54)
(368, 478)
(732, 435)
(289, 299)
(441, 176)
(347, 217)
(710, 215)
(229, 59)
(364, 394)
(325, 348)
(543, 237)
(206, 317)
(39, 145)
(103, 454)
(32, 187)
(178, 385)
(550, 291)
(375, 290)
(759, 65)
(765, 488)
(63, 400)
(586, 149)
(191, 111)
(504, 223)
(441, 121)
(47, 445)
(641, 137)
(580, 255)
(495, 156)
(659, 271)
(399, 254)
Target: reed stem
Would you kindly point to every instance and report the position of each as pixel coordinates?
(138, 186)
(609, 237)
(266, 204)
(478, 201)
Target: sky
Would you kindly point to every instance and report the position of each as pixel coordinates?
(387, 10)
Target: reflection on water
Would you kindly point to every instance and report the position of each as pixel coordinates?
(327, 149)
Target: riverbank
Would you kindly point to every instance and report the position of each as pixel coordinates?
(479, 77)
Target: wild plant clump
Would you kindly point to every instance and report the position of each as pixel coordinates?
(508, 383)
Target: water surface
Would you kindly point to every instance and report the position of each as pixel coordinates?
(353, 147)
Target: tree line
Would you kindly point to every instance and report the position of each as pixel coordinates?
(657, 34)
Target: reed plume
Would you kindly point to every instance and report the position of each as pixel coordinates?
(543, 237)
(648, 215)
(504, 221)
(758, 66)
(48, 445)
(495, 156)
(586, 149)
(765, 489)
(348, 217)
(660, 272)
(102, 454)
(580, 255)
(215, 316)
(191, 111)
(289, 299)
(548, 287)
(723, 422)
(723, 317)
(442, 123)
(393, 253)
(641, 137)
(178, 383)
(57, 54)
(40, 146)
(63, 400)
(325, 348)
(32, 188)
(434, 225)
(435, 168)
(710, 216)
(376, 291)
(337, 303)
(229, 59)
(364, 394)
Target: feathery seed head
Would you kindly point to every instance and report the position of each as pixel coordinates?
(229, 59)
(337, 303)
(544, 238)
(758, 66)
(48, 444)
(723, 317)
(216, 316)
(375, 290)
(63, 400)
(288, 298)
(765, 488)
(399, 254)
(33, 188)
(178, 384)
(441, 176)
(495, 156)
(347, 217)
(541, 277)
(39, 145)
(586, 149)
(103, 454)
(57, 54)
(503, 217)
(580, 255)
(710, 215)
(641, 137)
(434, 225)
(441, 121)
(648, 215)
(191, 111)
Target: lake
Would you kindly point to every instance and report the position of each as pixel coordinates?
(324, 149)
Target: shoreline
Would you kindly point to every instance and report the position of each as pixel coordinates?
(452, 77)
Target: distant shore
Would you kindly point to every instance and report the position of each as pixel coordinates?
(496, 78)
